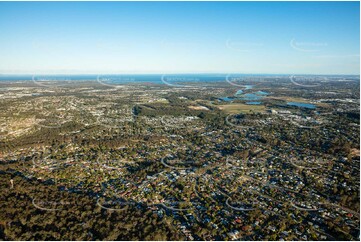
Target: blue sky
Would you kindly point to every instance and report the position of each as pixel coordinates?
(180, 37)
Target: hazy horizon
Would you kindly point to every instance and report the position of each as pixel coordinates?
(316, 38)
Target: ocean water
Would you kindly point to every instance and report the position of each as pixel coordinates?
(122, 79)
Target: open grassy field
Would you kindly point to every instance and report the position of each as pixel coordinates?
(241, 108)
(290, 99)
(298, 99)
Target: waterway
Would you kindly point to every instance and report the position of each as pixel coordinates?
(302, 105)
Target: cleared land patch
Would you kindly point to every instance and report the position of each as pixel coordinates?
(241, 108)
